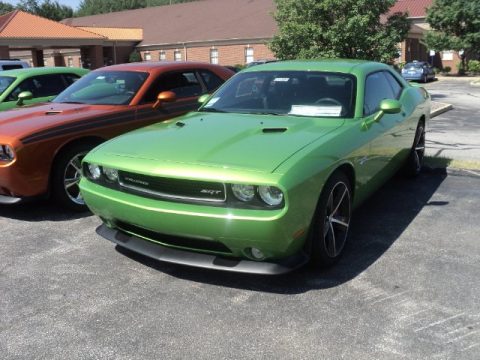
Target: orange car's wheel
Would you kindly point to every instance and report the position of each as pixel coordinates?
(331, 221)
(66, 177)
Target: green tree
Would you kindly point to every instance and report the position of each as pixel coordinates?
(5, 8)
(456, 26)
(48, 9)
(355, 29)
(92, 7)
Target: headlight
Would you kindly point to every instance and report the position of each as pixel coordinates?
(6, 153)
(94, 171)
(272, 195)
(111, 174)
(243, 192)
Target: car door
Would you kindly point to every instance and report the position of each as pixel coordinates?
(187, 87)
(387, 135)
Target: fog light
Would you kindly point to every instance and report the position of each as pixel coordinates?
(111, 174)
(257, 254)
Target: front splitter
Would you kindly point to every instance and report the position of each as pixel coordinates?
(206, 261)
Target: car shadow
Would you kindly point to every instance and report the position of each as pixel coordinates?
(376, 225)
(40, 210)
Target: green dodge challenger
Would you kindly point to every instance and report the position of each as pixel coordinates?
(264, 176)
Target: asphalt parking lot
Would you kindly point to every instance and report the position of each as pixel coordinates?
(408, 287)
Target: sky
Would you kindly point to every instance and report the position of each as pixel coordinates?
(72, 3)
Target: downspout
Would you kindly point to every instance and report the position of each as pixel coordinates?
(185, 51)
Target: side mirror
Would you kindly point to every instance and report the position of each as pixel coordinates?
(202, 99)
(390, 106)
(24, 95)
(165, 97)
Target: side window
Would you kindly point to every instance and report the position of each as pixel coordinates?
(26, 85)
(70, 78)
(183, 84)
(211, 80)
(377, 88)
(396, 87)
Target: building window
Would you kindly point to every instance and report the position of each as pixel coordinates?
(177, 55)
(214, 56)
(248, 55)
(447, 55)
(162, 56)
(70, 61)
(147, 56)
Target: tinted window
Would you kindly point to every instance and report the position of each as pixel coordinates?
(396, 87)
(212, 81)
(40, 86)
(70, 78)
(300, 93)
(183, 84)
(377, 88)
(5, 82)
(11, 67)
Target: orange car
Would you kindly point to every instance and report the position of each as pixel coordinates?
(41, 146)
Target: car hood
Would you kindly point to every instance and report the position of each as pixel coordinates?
(236, 141)
(19, 122)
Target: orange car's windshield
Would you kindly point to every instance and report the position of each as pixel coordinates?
(103, 88)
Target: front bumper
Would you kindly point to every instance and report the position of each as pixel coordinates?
(9, 200)
(212, 230)
(200, 260)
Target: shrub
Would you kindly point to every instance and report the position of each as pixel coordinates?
(474, 66)
(134, 56)
(446, 69)
(437, 70)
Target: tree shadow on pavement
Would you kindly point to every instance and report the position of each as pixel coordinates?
(376, 225)
(40, 210)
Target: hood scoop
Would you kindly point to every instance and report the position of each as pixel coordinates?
(274, 130)
(53, 112)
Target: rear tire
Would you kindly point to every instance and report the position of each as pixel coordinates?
(66, 177)
(413, 165)
(329, 227)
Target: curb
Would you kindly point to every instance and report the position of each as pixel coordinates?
(443, 108)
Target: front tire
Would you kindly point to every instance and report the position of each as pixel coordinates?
(66, 177)
(329, 228)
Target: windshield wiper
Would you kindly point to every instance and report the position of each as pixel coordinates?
(211, 109)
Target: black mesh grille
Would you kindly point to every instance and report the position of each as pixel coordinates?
(173, 188)
(199, 244)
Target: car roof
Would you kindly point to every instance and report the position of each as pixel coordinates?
(26, 72)
(157, 65)
(330, 65)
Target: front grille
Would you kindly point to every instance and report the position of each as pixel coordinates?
(161, 187)
(199, 244)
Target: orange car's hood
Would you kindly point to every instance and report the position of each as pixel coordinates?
(20, 122)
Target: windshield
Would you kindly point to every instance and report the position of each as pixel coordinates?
(300, 93)
(5, 82)
(104, 88)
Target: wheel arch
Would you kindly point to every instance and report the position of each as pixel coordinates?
(349, 171)
(94, 140)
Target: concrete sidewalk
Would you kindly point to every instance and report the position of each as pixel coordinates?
(453, 136)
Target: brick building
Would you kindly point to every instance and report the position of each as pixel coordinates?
(226, 32)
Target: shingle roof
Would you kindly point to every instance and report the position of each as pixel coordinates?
(19, 24)
(193, 21)
(415, 8)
